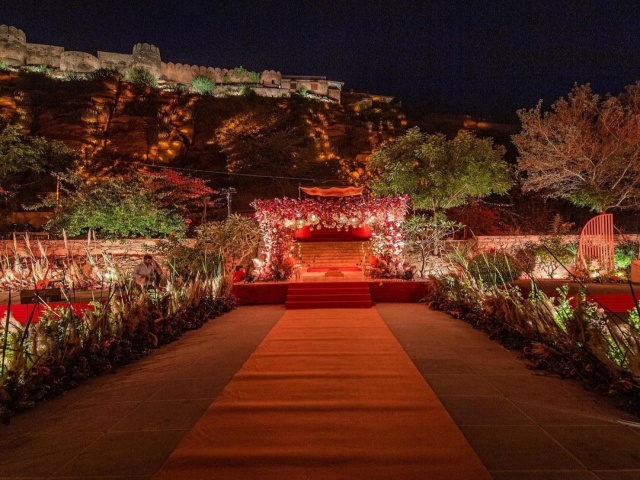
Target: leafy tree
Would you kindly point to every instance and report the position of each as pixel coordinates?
(426, 236)
(235, 239)
(141, 76)
(438, 173)
(113, 208)
(172, 189)
(203, 85)
(27, 162)
(586, 149)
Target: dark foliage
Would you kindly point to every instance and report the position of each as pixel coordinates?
(51, 380)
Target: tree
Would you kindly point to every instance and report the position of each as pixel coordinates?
(426, 236)
(171, 188)
(27, 162)
(235, 239)
(586, 149)
(438, 173)
(114, 208)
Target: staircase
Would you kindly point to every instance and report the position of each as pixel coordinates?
(329, 295)
(332, 254)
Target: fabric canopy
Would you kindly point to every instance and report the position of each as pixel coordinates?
(333, 191)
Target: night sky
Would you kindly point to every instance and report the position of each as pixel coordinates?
(485, 58)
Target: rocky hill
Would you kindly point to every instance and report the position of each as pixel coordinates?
(115, 125)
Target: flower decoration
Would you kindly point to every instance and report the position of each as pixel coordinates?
(279, 218)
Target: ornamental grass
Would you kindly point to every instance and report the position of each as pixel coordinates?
(39, 360)
(570, 337)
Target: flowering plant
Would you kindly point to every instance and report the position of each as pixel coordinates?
(279, 218)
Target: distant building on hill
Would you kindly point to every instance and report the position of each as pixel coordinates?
(16, 52)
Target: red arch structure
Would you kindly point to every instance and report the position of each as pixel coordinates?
(596, 242)
(279, 218)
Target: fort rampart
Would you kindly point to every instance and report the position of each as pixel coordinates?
(16, 52)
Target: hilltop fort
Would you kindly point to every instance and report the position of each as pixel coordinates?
(16, 52)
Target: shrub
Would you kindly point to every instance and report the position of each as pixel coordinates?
(39, 69)
(247, 91)
(190, 262)
(4, 67)
(203, 85)
(178, 88)
(526, 256)
(108, 74)
(624, 253)
(553, 255)
(491, 269)
(634, 319)
(141, 76)
(74, 76)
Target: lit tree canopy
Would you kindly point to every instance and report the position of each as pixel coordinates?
(172, 188)
(26, 162)
(586, 149)
(438, 173)
(114, 208)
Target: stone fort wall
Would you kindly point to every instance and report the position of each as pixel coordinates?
(16, 52)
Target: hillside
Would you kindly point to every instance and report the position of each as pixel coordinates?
(115, 125)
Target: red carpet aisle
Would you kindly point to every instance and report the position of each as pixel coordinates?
(328, 394)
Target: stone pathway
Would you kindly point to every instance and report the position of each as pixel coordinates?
(126, 425)
(522, 425)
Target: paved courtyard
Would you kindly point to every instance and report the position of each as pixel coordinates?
(521, 424)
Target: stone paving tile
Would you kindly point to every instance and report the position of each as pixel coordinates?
(163, 415)
(123, 453)
(74, 417)
(438, 365)
(119, 391)
(570, 411)
(618, 475)
(527, 384)
(40, 455)
(192, 388)
(541, 475)
(126, 477)
(459, 384)
(483, 410)
(622, 449)
(518, 448)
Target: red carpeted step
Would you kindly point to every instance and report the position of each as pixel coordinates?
(328, 304)
(329, 295)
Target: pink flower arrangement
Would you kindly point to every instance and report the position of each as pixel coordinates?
(279, 218)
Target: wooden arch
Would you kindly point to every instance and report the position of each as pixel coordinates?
(596, 242)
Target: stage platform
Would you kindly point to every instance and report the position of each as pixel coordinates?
(382, 291)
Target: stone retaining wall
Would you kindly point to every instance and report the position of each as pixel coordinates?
(57, 248)
(138, 247)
